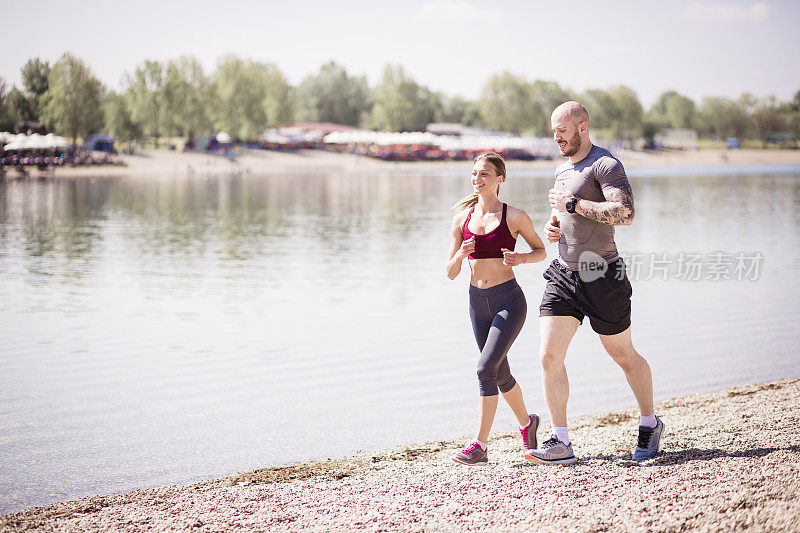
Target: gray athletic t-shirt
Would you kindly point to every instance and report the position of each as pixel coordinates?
(586, 179)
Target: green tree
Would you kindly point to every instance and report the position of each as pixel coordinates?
(602, 108)
(510, 103)
(279, 97)
(722, 117)
(673, 110)
(792, 111)
(20, 107)
(187, 98)
(450, 109)
(628, 123)
(769, 117)
(6, 122)
(145, 97)
(472, 115)
(506, 104)
(400, 103)
(657, 114)
(747, 103)
(546, 96)
(713, 110)
(681, 112)
(34, 80)
(743, 118)
(250, 96)
(74, 97)
(118, 119)
(333, 96)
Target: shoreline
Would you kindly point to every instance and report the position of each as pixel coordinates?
(730, 460)
(249, 161)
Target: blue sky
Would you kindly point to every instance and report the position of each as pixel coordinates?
(699, 48)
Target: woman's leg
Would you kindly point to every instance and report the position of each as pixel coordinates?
(517, 403)
(518, 308)
(481, 325)
(487, 407)
(493, 370)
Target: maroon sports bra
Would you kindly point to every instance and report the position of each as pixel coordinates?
(488, 245)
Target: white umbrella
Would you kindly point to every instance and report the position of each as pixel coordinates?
(56, 141)
(273, 136)
(20, 142)
(334, 137)
(450, 142)
(15, 145)
(37, 142)
(364, 136)
(224, 137)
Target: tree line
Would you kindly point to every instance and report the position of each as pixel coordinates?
(177, 98)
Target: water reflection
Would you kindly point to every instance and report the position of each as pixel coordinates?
(166, 330)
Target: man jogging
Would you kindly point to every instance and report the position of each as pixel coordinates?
(591, 196)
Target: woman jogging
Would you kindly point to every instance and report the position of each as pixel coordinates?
(485, 230)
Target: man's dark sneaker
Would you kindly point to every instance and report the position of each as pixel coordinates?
(649, 440)
(552, 452)
(471, 455)
(529, 433)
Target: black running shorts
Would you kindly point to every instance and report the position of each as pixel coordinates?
(606, 300)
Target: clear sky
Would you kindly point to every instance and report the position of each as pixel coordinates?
(699, 48)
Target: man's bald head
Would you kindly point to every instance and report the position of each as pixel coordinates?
(573, 112)
(570, 123)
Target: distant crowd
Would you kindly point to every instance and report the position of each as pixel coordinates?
(31, 146)
(58, 157)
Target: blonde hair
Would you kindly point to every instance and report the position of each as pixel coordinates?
(499, 167)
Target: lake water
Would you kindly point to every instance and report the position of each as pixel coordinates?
(169, 330)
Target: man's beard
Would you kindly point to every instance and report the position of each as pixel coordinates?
(573, 145)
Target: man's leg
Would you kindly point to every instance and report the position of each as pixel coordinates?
(636, 369)
(637, 372)
(556, 332)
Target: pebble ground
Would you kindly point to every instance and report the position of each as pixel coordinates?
(730, 461)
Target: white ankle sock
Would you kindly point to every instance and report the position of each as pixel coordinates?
(649, 420)
(526, 426)
(562, 434)
(482, 444)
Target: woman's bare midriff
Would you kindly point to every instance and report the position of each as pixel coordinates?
(489, 272)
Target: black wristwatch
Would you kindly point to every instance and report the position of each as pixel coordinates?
(571, 203)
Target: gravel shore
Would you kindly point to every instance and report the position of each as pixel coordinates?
(730, 461)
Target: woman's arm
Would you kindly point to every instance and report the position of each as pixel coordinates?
(459, 248)
(523, 224)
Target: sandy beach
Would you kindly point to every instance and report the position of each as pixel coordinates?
(149, 162)
(730, 461)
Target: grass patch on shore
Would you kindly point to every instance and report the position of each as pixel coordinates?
(332, 468)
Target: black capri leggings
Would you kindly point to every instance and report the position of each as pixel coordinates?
(497, 315)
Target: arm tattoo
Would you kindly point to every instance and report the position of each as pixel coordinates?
(617, 210)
